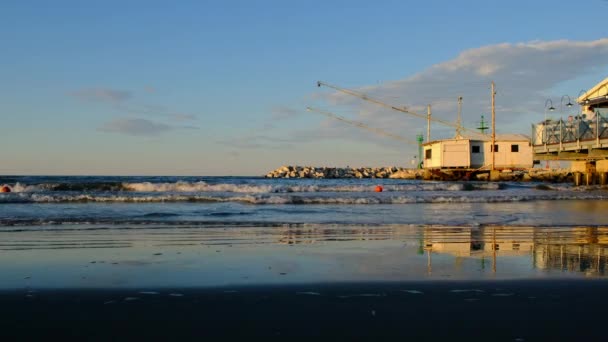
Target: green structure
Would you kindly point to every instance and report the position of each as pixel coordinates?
(420, 139)
(482, 126)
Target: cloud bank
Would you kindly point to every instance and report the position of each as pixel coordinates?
(525, 76)
(122, 101)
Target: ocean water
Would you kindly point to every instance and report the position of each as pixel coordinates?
(151, 232)
(58, 202)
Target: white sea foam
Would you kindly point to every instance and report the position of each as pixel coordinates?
(281, 188)
(288, 198)
(195, 187)
(18, 187)
(201, 186)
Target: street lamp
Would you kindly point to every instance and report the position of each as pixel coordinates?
(582, 92)
(561, 119)
(551, 108)
(561, 103)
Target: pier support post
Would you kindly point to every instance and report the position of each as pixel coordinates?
(494, 176)
(601, 167)
(588, 178)
(577, 178)
(602, 178)
(586, 169)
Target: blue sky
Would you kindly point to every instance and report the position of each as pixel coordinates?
(220, 87)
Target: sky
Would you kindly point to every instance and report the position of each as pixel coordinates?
(221, 87)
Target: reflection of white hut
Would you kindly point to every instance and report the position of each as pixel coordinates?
(512, 151)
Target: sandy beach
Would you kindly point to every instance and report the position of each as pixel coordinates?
(422, 311)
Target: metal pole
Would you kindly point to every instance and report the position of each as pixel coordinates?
(545, 136)
(493, 127)
(597, 129)
(428, 123)
(420, 140)
(459, 119)
(561, 139)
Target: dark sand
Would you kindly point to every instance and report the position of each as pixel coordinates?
(548, 310)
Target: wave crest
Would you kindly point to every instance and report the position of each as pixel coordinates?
(295, 199)
(201, 186)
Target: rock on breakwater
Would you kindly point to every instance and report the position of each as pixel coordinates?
(345, 172)
(529, 175)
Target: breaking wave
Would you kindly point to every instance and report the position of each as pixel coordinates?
(351, 199)
(198, 187)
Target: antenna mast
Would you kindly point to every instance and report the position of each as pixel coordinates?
(493, 125)
(459, 119)
(428, 123)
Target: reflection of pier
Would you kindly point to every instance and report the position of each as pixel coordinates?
(584, 251)
(303, 235)
(573, 249)
(578, 249)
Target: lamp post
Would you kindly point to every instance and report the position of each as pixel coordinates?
(583, 91)
(580, 107)
(550, 108)
(561, 104)
(561, 119)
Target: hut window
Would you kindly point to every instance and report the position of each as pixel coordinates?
(428, 154)
(475, 149)
(514, 148)
(495, 148)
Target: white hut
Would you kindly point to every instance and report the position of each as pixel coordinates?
(512, 151)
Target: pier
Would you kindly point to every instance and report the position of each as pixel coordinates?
(581, 138)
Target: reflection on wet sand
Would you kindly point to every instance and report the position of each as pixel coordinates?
(197, 256)
(574, 249)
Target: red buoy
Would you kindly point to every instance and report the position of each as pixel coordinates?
(5, 189)
(378, 188)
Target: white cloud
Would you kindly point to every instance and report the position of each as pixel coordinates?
(181, 117)
(137, 127)
(111, 96)
(121, 100)
(283, 112)
(525, 74)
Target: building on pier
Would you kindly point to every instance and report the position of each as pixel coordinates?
(511, 151)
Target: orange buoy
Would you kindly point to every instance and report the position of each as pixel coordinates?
(5, 189)
(378, 188)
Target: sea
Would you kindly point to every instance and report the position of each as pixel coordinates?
(151, 232)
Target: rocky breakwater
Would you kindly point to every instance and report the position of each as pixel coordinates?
(345, 172)
(529, 175)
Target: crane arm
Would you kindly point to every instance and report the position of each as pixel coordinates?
(386, 105)
(361, 125)
(370, 99)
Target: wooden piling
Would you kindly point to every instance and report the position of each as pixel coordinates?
(602, 178)
(588, 178)
(577, 178)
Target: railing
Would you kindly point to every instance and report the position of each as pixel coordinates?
(572, 130)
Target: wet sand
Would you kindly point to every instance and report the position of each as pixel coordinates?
(523, 310)
(434, 283)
